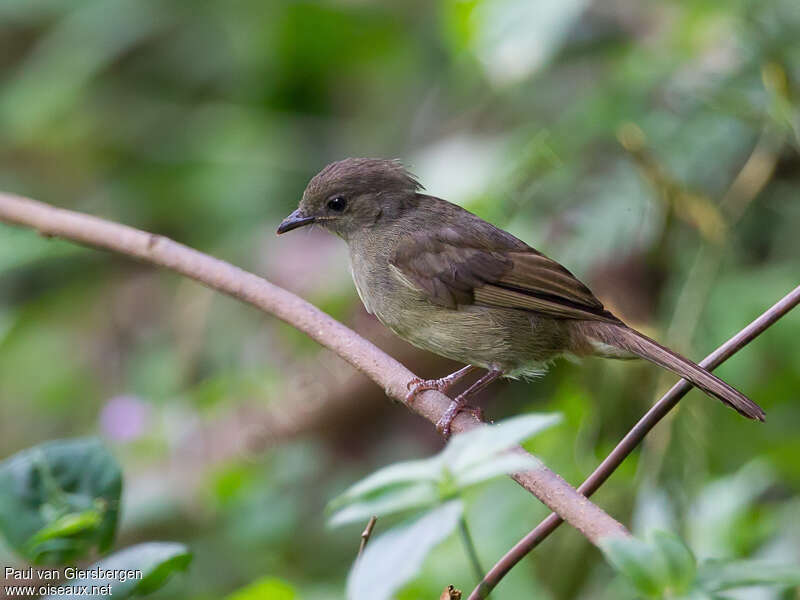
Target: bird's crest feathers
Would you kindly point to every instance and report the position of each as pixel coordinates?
(362, 175)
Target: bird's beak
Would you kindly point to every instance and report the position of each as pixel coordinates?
(293, 221)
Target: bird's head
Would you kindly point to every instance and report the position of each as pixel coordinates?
(353, 194)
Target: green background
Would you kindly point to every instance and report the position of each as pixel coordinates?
(652, 147)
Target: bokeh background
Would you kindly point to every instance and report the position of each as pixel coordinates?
(652, 147)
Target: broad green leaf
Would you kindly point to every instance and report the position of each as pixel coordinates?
(68, 525)
(466, 450)
(715, 576)
(395, 557)
(146, 568)
(407, 497)
(409, 472)
(267, 588)
(679, 560)
(639, 562)
(468, 458)
(504, 464)
(59, 500)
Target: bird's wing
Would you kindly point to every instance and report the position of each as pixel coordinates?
(456, 268)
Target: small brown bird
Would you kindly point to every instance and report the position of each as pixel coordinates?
(449, 282)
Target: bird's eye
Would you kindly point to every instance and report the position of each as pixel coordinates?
(337, 203)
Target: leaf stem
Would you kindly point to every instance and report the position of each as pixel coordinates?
(469, 547)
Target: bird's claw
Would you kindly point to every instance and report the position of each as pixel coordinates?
(445, 422)
(417, 385)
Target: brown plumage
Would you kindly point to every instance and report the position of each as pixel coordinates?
(449, 282)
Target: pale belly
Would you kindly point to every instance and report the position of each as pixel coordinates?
(514, 341)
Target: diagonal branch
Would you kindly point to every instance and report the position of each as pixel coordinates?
(667, 402)
(384, 370)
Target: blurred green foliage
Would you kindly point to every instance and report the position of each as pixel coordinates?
(60, 499)
(652, 147)
(59, 504)
(663, 567)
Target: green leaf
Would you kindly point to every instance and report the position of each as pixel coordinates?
(395, 557)
(715, 576)
(468, 458)
(146, 566)
(639, 562)
(392, 501)
(68, 525)
(510, 462)
(59, 500)
(680, 562)
(408, 472)
(467, 450)
(267, 588)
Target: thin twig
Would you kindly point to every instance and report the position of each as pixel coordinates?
(634, 437)
(391, 375)
(365, 535)
(469, 546)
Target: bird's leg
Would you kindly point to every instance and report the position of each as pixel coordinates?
(416, 386)
(459, 403)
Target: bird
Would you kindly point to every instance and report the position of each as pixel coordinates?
(452, 283)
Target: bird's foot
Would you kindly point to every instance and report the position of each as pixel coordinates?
(416, 386)
(460, 403)
(456, 406)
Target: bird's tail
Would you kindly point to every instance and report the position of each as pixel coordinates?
(629, 340)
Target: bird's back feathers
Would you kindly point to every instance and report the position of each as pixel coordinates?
(456, 265)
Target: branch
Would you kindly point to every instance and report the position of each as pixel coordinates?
(366, 534)
(392, 376)
(667, 402)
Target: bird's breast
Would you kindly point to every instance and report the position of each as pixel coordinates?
(378, 289)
